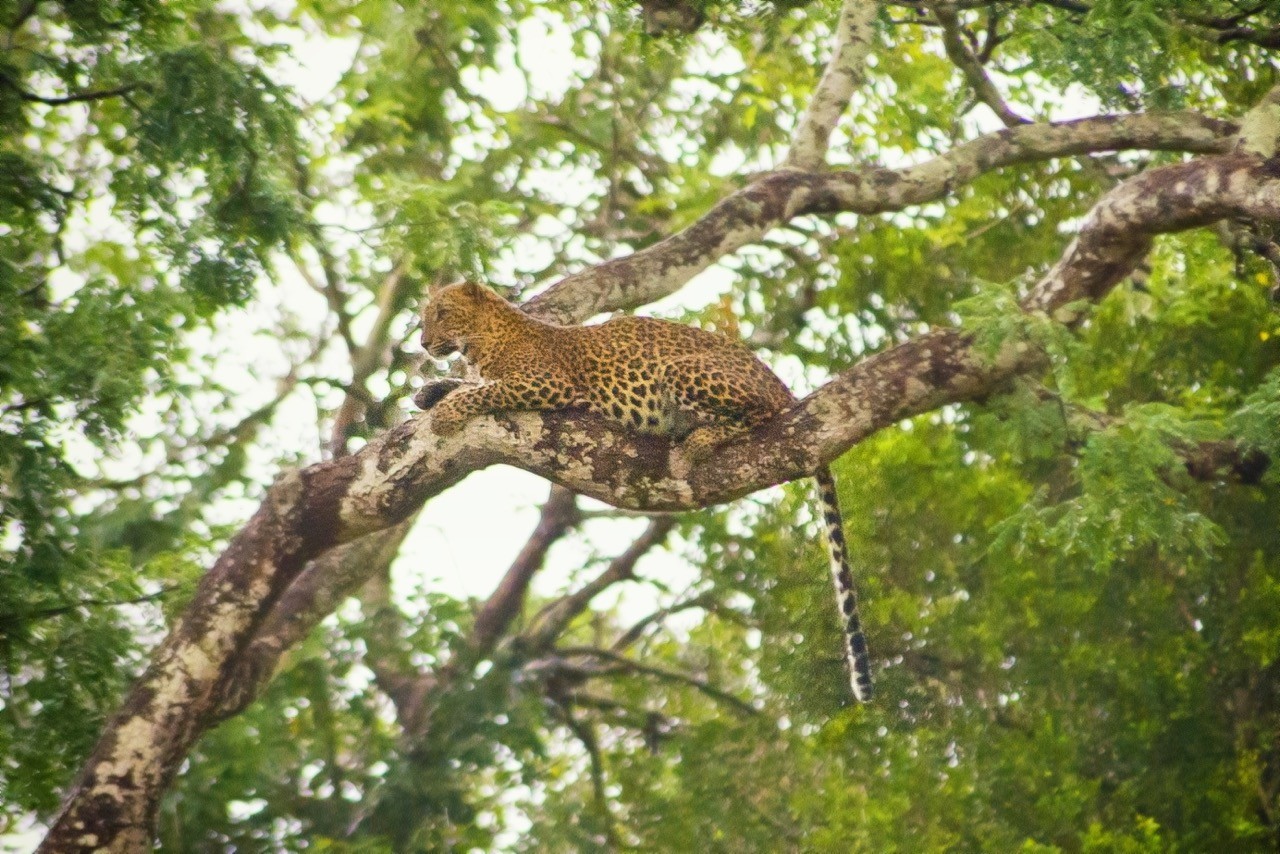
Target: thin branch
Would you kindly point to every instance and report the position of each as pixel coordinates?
(625, 664)
(1268, 38)
(552, 620)
(840, 79)
(637, 630)
(241, 431)
(12, 618)
(1218, 460)
(74, 97)
(366, 358)
(331, 289)
(586, 734)
(964, 58)
(23, 405)
(1072, 6)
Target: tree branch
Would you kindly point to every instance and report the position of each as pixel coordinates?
(633, 634)
(959, 52)
(559, 514)
(17, 618)
(552, 620)
(843, 74)
(1220, 460)
(366, 358)
(412, 691)
(319, 589)
(777, 197)
(73, 98)
(623, 663)
(586, 734)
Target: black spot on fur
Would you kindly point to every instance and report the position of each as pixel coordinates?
(859, 644)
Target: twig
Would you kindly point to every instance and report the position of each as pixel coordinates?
(586, 734)
(74, 97)
(553, 618)
(25, 11)
(366, 358)
(962, 54)
(633, 634)
(331, 290)
(235, 433)
(14, 617)
(662, 673)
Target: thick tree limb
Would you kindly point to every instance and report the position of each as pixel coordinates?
(326, 582)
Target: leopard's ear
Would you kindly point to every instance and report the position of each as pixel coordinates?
(477, 293)
(435, 286)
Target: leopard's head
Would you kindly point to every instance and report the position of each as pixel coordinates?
(454, 315)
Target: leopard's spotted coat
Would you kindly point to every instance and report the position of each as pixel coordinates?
(647, 375)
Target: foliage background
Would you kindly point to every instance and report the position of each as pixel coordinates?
(1078, 641)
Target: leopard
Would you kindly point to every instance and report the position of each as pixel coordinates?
(646, 375)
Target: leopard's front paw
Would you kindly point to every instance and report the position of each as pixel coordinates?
(434, 391)
(447, 420)
(701, 444)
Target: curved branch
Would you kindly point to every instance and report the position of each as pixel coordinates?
(839, 81)
(321, 587)
(551, 621)
(963, 57)
(774, 198)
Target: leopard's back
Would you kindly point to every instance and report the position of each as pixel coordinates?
(656, 376)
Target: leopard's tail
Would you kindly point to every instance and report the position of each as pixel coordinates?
(846, 595)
